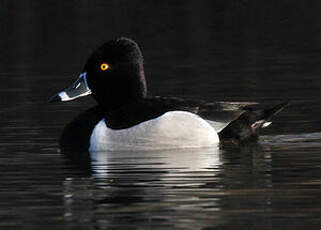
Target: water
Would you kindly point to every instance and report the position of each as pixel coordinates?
(233, 51)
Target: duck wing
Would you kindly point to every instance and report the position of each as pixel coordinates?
(234, 121)
(248, 124)
(218, 113)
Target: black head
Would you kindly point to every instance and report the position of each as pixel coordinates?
(113, 74)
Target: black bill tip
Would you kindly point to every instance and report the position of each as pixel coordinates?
(55, 99)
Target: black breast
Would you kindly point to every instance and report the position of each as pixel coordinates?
(76, 135)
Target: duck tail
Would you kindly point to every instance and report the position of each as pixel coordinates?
(247, 126)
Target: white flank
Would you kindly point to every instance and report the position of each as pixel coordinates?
(172, 130)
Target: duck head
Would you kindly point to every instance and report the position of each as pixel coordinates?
(113, 75)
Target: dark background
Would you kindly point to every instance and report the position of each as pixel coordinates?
(257, 42)
(217, 50)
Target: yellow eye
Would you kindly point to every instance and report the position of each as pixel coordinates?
(104, 66)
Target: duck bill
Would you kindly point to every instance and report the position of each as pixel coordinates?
(78, 89)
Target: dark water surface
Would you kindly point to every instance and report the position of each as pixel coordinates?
(265, 51)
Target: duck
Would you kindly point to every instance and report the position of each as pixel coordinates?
(126, 118)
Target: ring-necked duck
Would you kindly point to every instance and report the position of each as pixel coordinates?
(126, 119)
